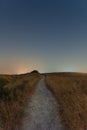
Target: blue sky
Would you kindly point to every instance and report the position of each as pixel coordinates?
(48, 35)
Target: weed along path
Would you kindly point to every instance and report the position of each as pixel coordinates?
(42, 111)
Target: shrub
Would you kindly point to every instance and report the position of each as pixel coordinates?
(34, 71)
(3, 82)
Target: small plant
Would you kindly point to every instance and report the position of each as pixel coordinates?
(3, 82)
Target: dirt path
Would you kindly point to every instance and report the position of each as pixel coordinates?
(42, 112)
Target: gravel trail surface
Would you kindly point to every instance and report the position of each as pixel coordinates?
(42, 111)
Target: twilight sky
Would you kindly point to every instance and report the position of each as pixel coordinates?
(48, 35)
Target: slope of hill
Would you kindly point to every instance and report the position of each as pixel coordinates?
(14, 89)
(70, 90)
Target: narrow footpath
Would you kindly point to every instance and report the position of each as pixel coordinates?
(42, 111)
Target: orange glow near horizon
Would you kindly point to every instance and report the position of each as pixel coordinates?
(19, 67)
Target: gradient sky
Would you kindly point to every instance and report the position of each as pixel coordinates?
(47, 35)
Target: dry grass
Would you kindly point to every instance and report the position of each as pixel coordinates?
(14, 90)
(70, 90)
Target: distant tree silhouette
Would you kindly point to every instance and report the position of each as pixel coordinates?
(34, 71)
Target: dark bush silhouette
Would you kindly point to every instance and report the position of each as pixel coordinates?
(34, 71)
(3, 82)
(3, 91)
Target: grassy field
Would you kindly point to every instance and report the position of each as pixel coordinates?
(70, 90)
(14, 90)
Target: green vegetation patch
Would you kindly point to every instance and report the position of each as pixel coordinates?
(3, 90)
(3, 82)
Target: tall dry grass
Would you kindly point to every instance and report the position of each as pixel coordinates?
(70, 90)
(14, 91)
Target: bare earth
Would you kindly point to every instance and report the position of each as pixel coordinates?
(42, 111)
